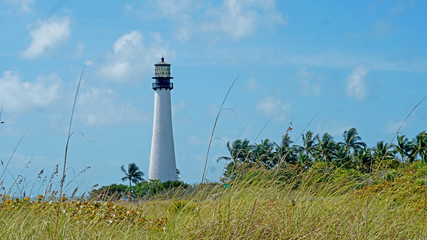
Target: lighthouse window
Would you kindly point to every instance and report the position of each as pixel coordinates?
(162, 71)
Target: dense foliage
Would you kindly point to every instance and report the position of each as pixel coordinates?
(142, 189)
(322, 151)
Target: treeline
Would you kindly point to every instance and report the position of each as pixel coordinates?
(141, 190)
(322, 151)
(317, 152)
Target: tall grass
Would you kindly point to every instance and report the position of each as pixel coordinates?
(257, 207)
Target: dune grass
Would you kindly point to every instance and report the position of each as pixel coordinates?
(260, 207)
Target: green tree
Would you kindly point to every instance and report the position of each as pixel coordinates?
(286, 152)
(404, 147)
(353, 141)
(308, 141)
(133, 174)
(383, 154)
(149, 189)
(239, 151)
(112, 192)
(342, 157)
(239, 157)
(263, 154)
(364, 160)
(325, 148)
(420, 146)
(306, 150)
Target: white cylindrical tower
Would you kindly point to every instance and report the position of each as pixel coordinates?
(162, 157)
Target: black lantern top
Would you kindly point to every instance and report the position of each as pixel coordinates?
(162, 75)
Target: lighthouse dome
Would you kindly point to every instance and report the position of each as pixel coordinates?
(162, 62)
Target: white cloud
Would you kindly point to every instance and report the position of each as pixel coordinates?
(175, 8)
(128, 7)
(273, 108)
(252, 85)
(180, 12)
(234, 18)
(356, 87)
(306, 79)
(183, 34)
(345, 59)
(196, 141)
(20, 160)
(177, 107)
(88, 63)
(18, 95)
(213, 109)
(100, 107)
(240, 18)
(380, 29)
(24, 5)
(47, 35)
(79, 50)
(131, 57)
(401, 6)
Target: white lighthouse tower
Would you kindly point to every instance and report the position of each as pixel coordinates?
(162, 157)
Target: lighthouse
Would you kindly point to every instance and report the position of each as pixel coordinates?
(162, 157)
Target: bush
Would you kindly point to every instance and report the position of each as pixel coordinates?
(112, 192)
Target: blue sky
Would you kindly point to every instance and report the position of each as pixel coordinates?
(364, 63)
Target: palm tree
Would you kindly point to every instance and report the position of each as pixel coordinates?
(263, 153)
(307, 148)
(308, 143)
(285, 152)
(351, 145)
(304, 160)
(404, 147)
(364, 160)
(325, 148)
(239, 152)
(342, 157)
(133, 174)
(383, 155)
(353, 141)
(420, 146)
